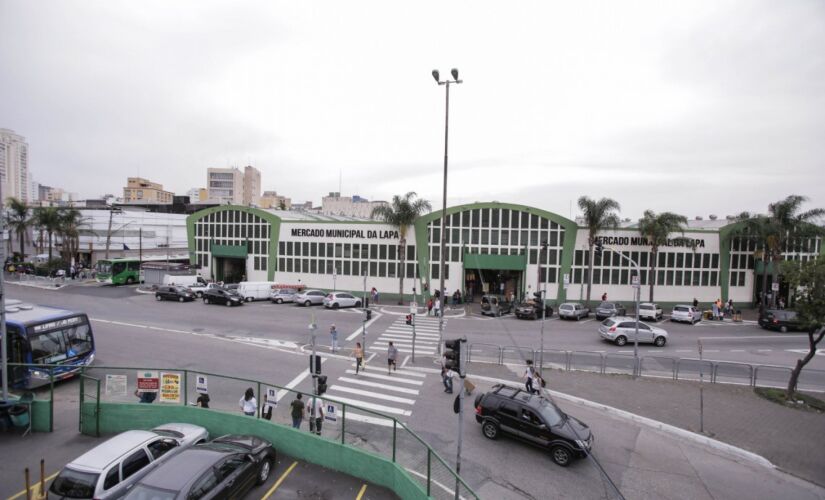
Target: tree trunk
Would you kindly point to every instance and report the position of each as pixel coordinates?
(402, 254)
(800, 363)
(652, 277)
(589, 273)
(50, 246)
(22, 245)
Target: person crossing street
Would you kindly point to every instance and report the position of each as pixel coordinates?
(333, 333)
(392, 357)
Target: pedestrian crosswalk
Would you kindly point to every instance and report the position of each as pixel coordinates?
(373, 388)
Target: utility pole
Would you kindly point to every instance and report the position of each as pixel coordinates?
(4, 349)
(312, 364)
(414, 312)
(109, 231)
(638, 288)
(543, 292)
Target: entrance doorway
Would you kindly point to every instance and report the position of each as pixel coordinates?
(230, 270)
(494, 274)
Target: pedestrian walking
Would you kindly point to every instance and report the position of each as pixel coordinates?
(437, 307)
(604, 297)
(529, 376)
(715, 311)
(315, 409)
(781, 303)
(695, 302)
(145, 397)
(358, 354)
(430, 307)
(248, 403)
(203, 400)
(374, 293)
(446, 376)
(333, 333)
(297, 411)
(719, 309)
(392, 355)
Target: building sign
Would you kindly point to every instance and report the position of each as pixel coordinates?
(369, 234)
(642, 241)
(170, 387)
(148, 381)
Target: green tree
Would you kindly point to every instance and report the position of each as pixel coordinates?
(807, 279)
(598, 215)
(19, 222)
(48, 219)
(657, 228)
(402, 213)
(68, 228)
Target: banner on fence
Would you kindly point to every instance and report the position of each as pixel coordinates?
(115, 385)
(331, 413)
(201, 384)
(148, 381)
(169, 387)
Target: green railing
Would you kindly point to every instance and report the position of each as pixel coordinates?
(371, 433)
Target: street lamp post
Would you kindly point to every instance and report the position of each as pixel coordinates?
(443, 237)
(637, 290)
(543, 292)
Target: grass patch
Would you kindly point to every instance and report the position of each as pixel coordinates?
(801, 401)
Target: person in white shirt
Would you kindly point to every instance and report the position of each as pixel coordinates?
(315, 411)
(248, 403)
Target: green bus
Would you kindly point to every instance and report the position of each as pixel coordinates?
(124, 271)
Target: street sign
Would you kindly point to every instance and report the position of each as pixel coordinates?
(331, 414)
(775, 287)
(413, 308)
(201, 384)
(634, 280)
(566, 278)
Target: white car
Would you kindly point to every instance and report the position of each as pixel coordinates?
(686, 314)
(621, 330)
(573, 310)
(648, 310)
(310, 298)
(341, 299)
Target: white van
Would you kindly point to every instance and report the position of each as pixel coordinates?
(184, 280)
(255, 290)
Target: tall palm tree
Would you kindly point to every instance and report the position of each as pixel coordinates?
(48, 219)
(657, 228)
(19, 222)
(402, 213)
(598, 215)
(71, 220)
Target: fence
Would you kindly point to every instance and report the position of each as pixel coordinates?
(722, 372)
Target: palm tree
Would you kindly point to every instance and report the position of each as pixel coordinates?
(401, 213)
(48, 219)
(71, 220)
(656, 228)
(598, 215)
(19, 222)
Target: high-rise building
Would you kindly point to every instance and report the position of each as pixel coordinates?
(14, 166)
(271, 199)
(225, 185)
(140, 190)
(354, 206)
(197, 194)
(251, 186)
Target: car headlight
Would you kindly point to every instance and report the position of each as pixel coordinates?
(584, 445)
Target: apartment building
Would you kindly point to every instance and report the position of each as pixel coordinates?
(140, 190)
(14, 166)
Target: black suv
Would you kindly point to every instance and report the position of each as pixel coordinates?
(534, 419)
(779, 319)
(179, 293)
(609, 309)
(221, 296)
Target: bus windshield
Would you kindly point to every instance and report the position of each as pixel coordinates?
(104, 266)
(60, 342)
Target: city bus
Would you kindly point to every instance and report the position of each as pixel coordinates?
(124, 271)
(41, 335)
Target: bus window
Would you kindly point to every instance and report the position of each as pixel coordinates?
(133, 266)
(118, 267)
(58, 345)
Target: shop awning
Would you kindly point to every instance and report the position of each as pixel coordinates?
(230, 251)
(498, 262)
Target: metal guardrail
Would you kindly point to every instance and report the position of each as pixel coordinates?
(715, 371)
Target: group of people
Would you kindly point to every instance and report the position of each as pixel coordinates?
(720, 310)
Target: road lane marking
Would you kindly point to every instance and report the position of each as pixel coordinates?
(297, 380)
(386, 377)
(373, 406)
(361, 493)
(368, 324)
(34, 488)
(279, 481)
(384, 422)
(370, 394)
(738, 350)
(756, 337)
(367, 383)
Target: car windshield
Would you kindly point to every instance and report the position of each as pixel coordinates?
(680, 309)
(606, 305)
(552, 415)
(181, 289)
(168, 433)
(609, 322)
(645, 306)
(75, 484)
(145, 492)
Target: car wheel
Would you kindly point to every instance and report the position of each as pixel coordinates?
(357, 303)
(335, 305)
(279, 301)
(206, 300)
(578, 317)
(621, 340)
(783, 329)
(228, 303)
(158, 298)
(307, 303)
(660, 341)
(180, 299)
(248, 299)
(490, 430)
(199, 294)
(561, 455)
(263, 472)
(130, 280)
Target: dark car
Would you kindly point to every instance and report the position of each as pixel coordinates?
(533, 419)
(609, 309)
(531, 309)
(179, 293)
(222, 296)
(227, 467)
(495, 305)
(779, 319)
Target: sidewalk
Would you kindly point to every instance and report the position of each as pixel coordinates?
(791, 439)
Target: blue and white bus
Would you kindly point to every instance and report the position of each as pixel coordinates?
(41, 335)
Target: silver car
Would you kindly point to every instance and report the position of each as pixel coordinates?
(109, 469)
(573, 310)
(282, 295)
(621, 330)
(685, 313)
(341, 299)
(648, 310)
(310, 298)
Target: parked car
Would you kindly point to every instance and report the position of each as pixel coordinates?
(535, 420)
(109, 469)
(609, 309)
(495, 305)
(255, 290)
(686, 314)
(341, 299)
(309, 298)
(573, 310)
(282, 295)
(184, 280)
(648, 310)
(179, 293)
(531, 309)
(199, 288)
(227, 467)
(221, 296)
(779, 319)
(622, 329)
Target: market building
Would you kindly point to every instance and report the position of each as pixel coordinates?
(490, 248)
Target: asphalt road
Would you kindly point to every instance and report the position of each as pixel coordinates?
(267, 342)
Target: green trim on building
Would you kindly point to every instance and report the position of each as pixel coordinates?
(230, 251)
(506, 262)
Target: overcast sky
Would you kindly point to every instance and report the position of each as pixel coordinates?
(692, 107)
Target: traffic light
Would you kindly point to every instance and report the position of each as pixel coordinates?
(322, 384)
(368, 314)
(452, 353)
(314, 363)
(599, 248)
(409, 319)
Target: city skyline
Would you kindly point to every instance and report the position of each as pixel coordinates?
(656, 105)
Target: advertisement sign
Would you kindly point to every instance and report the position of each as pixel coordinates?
(148, 381)
(170, 387)
(115, 385)
(200, 384)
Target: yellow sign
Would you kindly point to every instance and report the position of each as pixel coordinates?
(169, 387)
